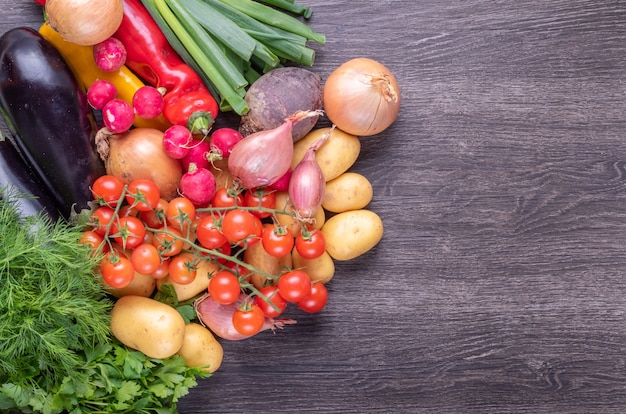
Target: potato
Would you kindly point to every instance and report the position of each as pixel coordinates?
(147, 325)
(200, 348)
(349, 191)
(141, 285)
(292, 224)
(200, 283)
(256, 256)
(320, 269)
(335, 157)
(352, 233)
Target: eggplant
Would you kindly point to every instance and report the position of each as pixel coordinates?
(48, 115)
(17, 177)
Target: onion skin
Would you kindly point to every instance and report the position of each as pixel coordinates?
(85, 22)
(138, 154)
(362, 97)
(218, 318)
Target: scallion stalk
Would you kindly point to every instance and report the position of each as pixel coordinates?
(292, 7)
(276, 18)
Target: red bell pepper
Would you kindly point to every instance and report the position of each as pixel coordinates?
(187, 99)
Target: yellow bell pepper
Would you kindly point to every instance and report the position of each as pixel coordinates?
(83, 66)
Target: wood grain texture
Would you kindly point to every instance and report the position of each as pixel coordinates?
(499, 285)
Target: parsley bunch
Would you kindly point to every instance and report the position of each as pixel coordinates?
(57, 351)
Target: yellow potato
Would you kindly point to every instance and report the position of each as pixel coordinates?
(141, 285)
(147, 325)
(199, 284)
(291, 222)
(200, 348)
(352, 233)
(256, 256)
(349, 191)
(335, 157)
(320, 269)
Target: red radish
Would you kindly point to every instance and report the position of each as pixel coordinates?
(176, 141)
(118, 116)
(283, 182)
(100, 92)
(148, 102)
(223, 140)
(198, 185)
(110, 54)
(199, 151)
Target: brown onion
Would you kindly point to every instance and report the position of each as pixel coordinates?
(362, 97)
(85, 22)
(138, 154)
(262, 158)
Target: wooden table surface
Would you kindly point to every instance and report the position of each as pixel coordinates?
(500, 283)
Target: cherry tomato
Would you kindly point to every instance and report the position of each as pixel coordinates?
(208, 233)
(162, 270)
(143, 194)
(237, 225)
(225, 249)
(155, 218)
(224, 287)
(117, 270)
(167, 242)
(92, 239)
(248, 321)
(101, 218)
(145, 259)
(183, 268)
(260, 198)
(225, 198)
(128, 231)
(316, 301)
(277, 240)
(310, 244)
(294, 285)
(107, 190)
(279, 303)
(180, 213)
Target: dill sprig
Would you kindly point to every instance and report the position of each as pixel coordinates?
(52, 304)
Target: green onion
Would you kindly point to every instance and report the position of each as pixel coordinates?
(276, 18)
(231, 43)
(292, 7)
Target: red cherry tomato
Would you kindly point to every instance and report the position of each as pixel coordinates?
(248, 321)
(277, 240)
(107, 190)
(310, 243)
(224, 287)
(316, 301)
(129, 232)
(276, 305)
(117, 270)
(260, 198)
(294, 285)
(143, 194)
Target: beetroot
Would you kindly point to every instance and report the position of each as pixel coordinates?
(278, 94)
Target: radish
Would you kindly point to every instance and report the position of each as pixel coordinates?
(199, 152)
(198, 185)
(148, 102)
(118, 116)
(223, 140)
(110, 54)
(176, 141)
(100, 92)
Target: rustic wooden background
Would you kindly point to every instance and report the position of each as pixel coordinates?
(499, 285)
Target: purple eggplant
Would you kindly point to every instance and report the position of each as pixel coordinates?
(49, 118)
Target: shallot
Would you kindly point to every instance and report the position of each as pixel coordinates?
(219, 318)
(262, 158)
(307, 184)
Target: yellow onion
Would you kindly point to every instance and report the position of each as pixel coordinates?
(362, 97)
(85, 22)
